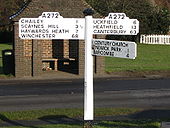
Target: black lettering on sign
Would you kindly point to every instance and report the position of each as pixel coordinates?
(75, 36)
(127, 55)
(122, 16)
(133, 32)
(134, 22)
(134, 27)
(50, 15)
(43, 16)
(115, 22)
(56, 15)
(117, 16)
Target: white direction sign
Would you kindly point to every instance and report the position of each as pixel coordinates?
(51, 26)
(116, 24)
(114, 48)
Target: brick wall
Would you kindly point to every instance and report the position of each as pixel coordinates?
(37, 58)
(81, 64)
(22, 54)
(66, 48)
(27, 48)
(27, 56)
(47, 49)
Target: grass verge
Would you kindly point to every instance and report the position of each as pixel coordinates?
(103, 124)
(71, 113)
(70, 116)
(149, 58)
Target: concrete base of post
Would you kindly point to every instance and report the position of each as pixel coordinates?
(88, 124)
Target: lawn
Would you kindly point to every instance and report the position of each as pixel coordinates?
(71, 118)
(4, 46)
(149, 58)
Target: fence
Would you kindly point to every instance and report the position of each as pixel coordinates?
(155, 39)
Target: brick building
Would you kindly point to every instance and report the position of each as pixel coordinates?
(35, 57)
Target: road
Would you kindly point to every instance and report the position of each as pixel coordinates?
(140, 93)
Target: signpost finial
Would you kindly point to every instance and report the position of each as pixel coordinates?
(88, 12)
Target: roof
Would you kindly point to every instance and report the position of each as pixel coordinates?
(66, 8)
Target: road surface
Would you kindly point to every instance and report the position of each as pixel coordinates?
(139, 93)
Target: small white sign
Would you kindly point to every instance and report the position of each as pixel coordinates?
(117, 16)
(114, 48)
(50, 15)
(116, 24)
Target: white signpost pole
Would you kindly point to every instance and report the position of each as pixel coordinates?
(88, 83)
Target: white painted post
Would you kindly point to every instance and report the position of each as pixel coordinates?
(144, 39)
(88, 83)
(141, 39)
(159, 39)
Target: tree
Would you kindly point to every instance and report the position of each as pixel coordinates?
(159, 21)
(152, 19)
(7, 8)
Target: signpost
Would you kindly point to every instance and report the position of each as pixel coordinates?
(51, 25)
(114, 48)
